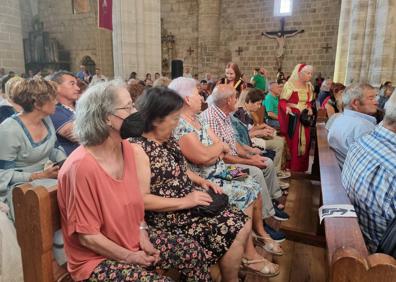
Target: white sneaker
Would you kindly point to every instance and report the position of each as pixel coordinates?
(283, 174)
(284, 185)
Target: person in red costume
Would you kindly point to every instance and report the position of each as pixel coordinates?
(297, 95)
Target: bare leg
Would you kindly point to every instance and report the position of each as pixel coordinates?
(230, 262)
(258, 218)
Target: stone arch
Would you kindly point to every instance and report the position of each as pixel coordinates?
(89, 64)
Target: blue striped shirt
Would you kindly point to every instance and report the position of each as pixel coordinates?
(369, 178)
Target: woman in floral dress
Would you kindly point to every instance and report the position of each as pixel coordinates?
(170, 190)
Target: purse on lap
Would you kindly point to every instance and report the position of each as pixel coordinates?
(220, 202)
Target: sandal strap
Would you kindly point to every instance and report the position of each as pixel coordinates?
(247, 261)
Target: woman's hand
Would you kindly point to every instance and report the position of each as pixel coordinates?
(197, 198)
(206, 184)
(310, 113)
(147, 246)
(288, 110)
(140, 257)
(51, 172)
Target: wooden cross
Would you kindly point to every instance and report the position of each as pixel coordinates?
(239, 51)
(280, 37)
(190, 51)
(282, 32)
(326, 48)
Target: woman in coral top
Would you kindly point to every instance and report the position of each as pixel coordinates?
(296, 96)
(102, 211)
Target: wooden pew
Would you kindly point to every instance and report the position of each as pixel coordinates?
(37, 217)
(348, 257)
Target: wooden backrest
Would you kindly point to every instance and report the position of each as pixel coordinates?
(36, 219)
(347, 253)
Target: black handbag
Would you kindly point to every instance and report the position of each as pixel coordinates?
(292, 125)
(306, 119)
(220, 202)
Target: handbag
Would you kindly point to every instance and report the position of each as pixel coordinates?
(219, 203)
(306, 119)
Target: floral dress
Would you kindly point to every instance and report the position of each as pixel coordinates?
(169, 179)
(241, 193)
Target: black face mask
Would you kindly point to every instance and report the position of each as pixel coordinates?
(132, 126)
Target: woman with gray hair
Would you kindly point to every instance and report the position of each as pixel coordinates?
(101, 206)
(204, 152)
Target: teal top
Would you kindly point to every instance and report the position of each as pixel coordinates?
(271, 103)
(260, 82)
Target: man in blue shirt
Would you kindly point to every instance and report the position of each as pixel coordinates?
(360, 104)
(63, 118)
(369, 177)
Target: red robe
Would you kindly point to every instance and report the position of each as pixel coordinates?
(301, 138)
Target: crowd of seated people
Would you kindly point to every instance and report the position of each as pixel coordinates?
(182, 158)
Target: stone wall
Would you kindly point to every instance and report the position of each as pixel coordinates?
(11, 46)
(240, 24)
(78, 33)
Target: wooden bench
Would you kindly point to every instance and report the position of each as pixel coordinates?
(348, 257)
(37, 217)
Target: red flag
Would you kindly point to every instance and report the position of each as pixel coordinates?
(105, 14)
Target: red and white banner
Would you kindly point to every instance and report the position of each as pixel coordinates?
(105, 14)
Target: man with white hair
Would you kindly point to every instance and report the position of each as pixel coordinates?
(218, 116)
(369, 177)
(360, 105)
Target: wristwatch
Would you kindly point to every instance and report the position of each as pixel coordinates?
(143, 226)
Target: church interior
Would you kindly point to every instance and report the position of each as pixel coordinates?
(198, 140)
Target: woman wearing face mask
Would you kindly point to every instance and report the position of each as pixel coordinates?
(170, 190)
(296, 96)
(233, 76)
(101, 206)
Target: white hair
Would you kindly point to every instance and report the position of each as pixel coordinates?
(390, 109)
(93, 108)
(183, 86)
(221, 93)
(353, 92)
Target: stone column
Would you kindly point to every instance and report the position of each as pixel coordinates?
(11, 45)
(366, 49)
(136, 37)
(208, 36)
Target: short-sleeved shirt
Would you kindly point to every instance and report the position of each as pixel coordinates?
(346, 129)
(271, 103)
(221, 125)
(260, 82)
(369, 178)
(62, 116)
(92, 202)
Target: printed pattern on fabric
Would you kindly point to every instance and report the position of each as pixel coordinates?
(169, 179)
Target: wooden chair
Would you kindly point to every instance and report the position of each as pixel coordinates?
(348, 257)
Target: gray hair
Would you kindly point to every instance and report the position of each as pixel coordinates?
(353, 92)
(93, 108)
(390, 109)
(183, 86)
(221, 93)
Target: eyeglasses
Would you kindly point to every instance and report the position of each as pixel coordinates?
(129, 109)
